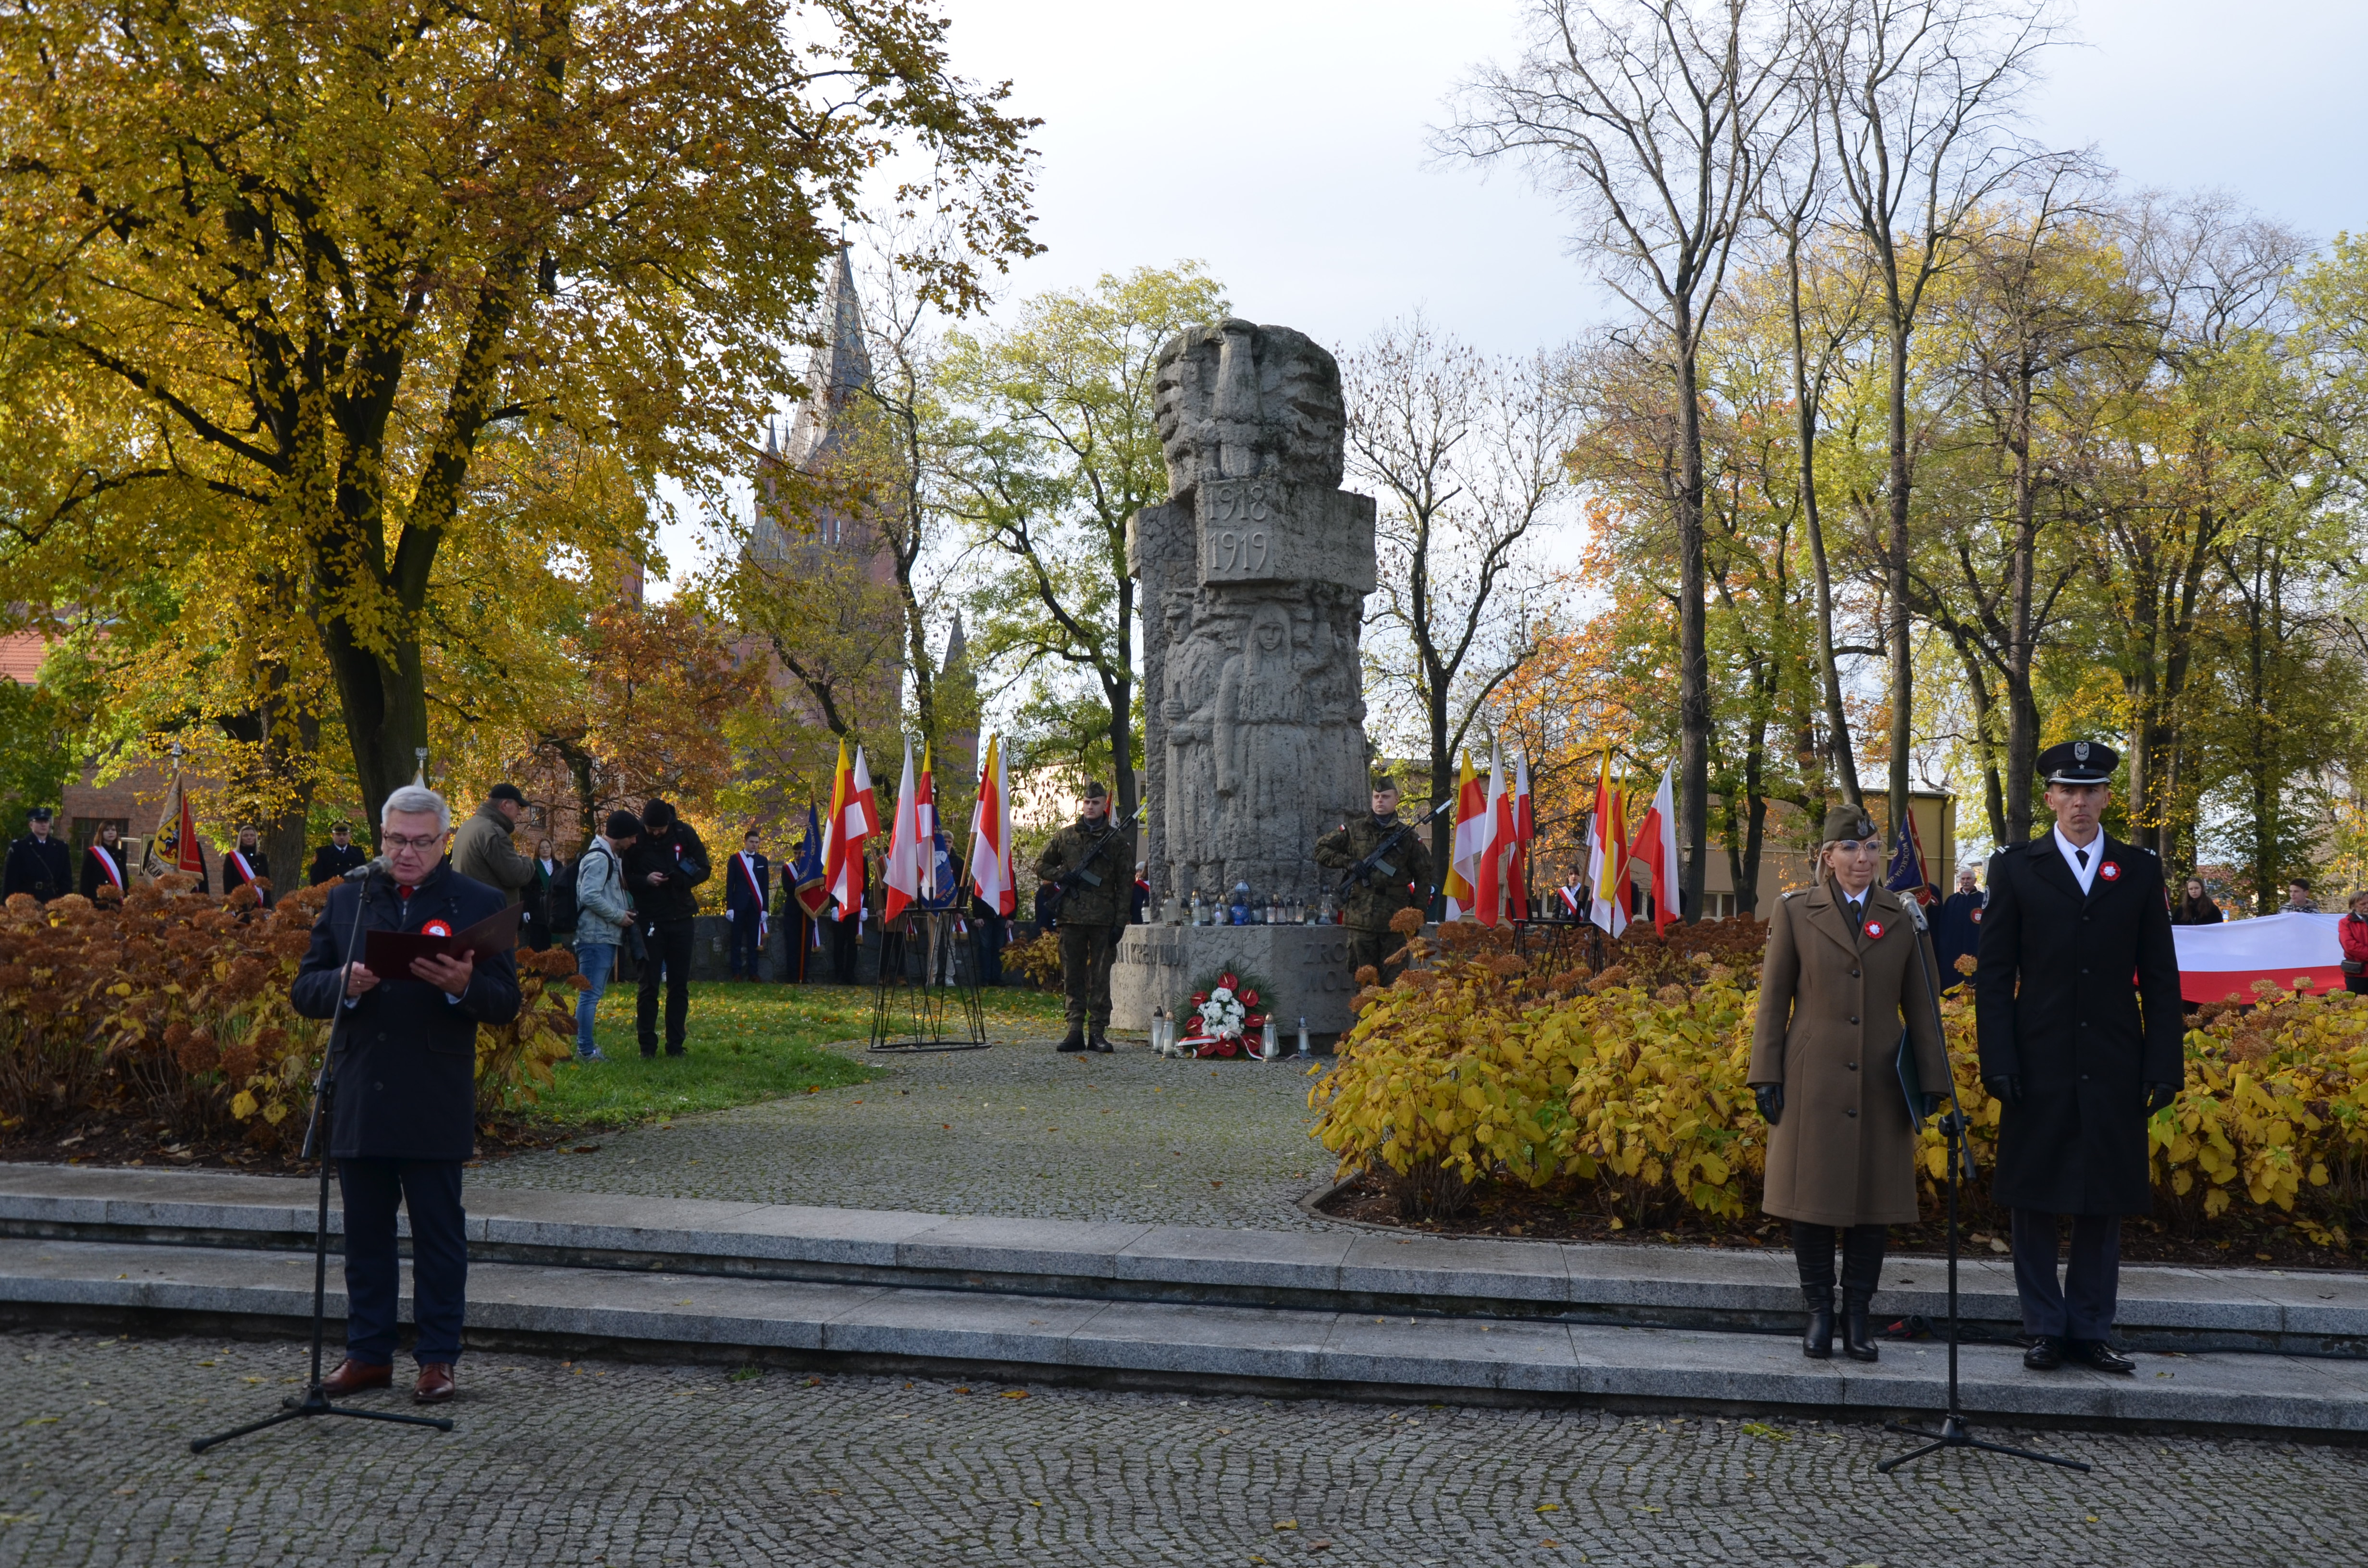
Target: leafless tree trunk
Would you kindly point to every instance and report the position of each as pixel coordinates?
(1467, 455)
(1915, 97)
(1655, 119)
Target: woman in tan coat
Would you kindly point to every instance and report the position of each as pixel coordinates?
(1844, 970)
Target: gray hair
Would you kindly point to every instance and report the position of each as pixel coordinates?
(413, 800)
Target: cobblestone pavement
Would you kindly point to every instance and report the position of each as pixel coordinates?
(1016, 1131)
(618, 1464)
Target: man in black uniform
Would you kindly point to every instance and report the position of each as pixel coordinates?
(337, 856)
(1093, 907)
(1380, 893)
(2081, 1055)
(38, 864)
(748, 887)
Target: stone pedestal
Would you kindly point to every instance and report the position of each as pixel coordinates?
(1161, 966)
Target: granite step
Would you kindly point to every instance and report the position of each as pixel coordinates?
(2318, 1314)
(993, 1337)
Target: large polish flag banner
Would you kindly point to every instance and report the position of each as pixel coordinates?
(2220, 963)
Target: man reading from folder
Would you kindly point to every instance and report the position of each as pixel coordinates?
(402, 1119)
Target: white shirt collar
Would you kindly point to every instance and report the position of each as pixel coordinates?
(2095, 848)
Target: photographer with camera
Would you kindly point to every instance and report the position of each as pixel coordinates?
(661, 868)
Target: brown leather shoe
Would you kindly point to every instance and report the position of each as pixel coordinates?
(353, 1376)
(435, 1384)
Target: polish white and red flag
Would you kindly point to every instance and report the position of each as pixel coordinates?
(1525, 833)
(991, 878)
(903, 873)
(854, 817)
(1496, 847)
(1656, 846)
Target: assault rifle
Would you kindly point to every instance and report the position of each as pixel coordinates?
(1374, 862)
(1083, 870)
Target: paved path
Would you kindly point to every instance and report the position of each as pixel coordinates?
(1017, 1130)
(603, 1462)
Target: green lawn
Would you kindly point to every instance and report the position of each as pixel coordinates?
(747, 1042)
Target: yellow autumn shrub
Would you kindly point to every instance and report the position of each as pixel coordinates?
(1485, 1065)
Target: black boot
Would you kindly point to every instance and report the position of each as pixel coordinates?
(1812, 1250)
(1099, 1041)
(1862, 1270)
(1074, 1040)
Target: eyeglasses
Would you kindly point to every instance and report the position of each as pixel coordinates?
(397, 841)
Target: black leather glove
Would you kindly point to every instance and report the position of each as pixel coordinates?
(2160, 1095)
(1772, 1102)
(1932, 1104)
(2007, 1086)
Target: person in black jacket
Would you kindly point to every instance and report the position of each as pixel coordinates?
(38, 864)
(535, 928)
(337, 856)
(661, 868)
(103, 864)
(2076, 1001)
(402, 1113)
(1957, 933)
(747, 891)
(246, 864)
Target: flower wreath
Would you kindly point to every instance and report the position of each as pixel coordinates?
(1225, 1014)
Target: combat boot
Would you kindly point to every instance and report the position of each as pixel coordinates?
(1074, 1040)
(1100, 1042)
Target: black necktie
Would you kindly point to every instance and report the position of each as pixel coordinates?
(2082, 856)
(1858, 913)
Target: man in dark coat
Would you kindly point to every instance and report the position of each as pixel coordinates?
(337, 856)
(1090, 868)
(2080, 1054)
(402, 1118)
(661, 868)
(1958, 932)
(37, 863)
(747, 892)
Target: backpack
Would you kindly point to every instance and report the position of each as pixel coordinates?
(562, 894)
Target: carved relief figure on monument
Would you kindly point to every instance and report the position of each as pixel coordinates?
(1195, 663)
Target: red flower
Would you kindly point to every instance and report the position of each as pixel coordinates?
(1250, 998)
(1229, 982)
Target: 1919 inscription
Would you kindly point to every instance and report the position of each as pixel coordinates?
(1238, 530)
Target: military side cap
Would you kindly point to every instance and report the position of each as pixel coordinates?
(1384, 781)
(2078, 762)
(1847, 823)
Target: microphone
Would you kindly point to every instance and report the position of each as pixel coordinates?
(364, 871)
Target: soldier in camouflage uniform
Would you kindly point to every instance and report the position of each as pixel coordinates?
(1379, 895)
(1090, 915)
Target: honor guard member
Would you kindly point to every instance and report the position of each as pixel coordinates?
(38, 864)
(2076, 1002)
(1090, 913)
(1379, 895)
(337, 856)
(246, 864)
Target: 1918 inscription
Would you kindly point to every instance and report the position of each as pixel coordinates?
(1238, 530)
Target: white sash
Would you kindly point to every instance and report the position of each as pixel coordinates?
(106, 860)
(246, 872)
(748, 869)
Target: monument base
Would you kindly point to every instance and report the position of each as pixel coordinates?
(1161, 966)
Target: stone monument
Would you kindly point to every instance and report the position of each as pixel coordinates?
(1254, 574)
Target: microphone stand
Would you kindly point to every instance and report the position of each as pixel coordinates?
(316, 1399)
(1956, 1431)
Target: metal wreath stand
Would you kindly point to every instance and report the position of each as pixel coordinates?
(1956, 1431)
(910, 1013)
